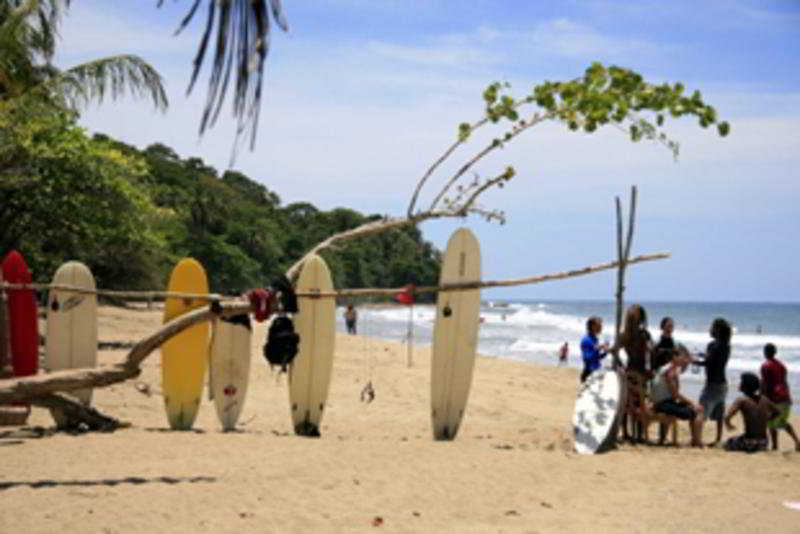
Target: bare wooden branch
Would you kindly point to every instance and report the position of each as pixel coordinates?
(146, 346)
(30, 387)
(432, 168)
(494, 145)
(145, 295)
(487, 283)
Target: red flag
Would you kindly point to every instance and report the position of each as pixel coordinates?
(407, 296)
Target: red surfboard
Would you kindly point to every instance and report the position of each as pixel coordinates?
(23, 322)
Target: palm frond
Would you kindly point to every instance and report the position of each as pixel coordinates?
(242, 42)
(113, 77)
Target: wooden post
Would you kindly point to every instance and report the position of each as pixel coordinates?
(623, 255)
(410, 336)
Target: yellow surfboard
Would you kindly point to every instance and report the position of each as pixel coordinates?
(184, 356)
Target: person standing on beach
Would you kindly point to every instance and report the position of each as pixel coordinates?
(635, 339)
(775, 387)
(662, 353)
(563, 353)
(350, 317)
(712, 398)
(756, 411)
(591, 349)
(668, 399)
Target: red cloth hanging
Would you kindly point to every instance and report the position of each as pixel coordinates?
(407, 296)
(261, 300)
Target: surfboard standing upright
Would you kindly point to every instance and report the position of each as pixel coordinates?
(23, 326)
(597, 411)
(310, 371)
(23, 320)
(71, 327)
(455, 334)
(230, 368)
(183, 357)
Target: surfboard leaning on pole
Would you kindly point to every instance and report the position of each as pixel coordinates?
(310, 371)
(455, 335)
(184, 356)
(230, 368)
(71, 327)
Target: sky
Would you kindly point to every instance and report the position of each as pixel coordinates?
(363, 95)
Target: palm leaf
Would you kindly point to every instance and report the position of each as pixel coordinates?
(113, 77)
(242, 42)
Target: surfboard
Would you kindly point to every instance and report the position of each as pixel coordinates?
(310, 371)
(23, 321)
(230, 368)
(184, 356)
(71, 327)
(597, 411)
(455, 335)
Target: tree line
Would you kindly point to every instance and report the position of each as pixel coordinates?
(131, 213)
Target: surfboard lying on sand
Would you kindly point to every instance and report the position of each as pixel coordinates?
(310, 371)
(597, 411)
(71, 327)
(230, 368)
(455, 335)
(183, 357)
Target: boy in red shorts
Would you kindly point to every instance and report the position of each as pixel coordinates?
(776, 389)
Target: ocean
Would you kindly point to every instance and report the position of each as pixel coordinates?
(533, 331)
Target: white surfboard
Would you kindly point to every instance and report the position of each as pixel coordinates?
(455, 335)
(229, 370)
(310, 372)
(71, 327)
(597, 411)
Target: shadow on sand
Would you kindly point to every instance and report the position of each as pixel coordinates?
(110, 482)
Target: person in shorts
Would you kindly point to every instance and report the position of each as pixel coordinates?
(668, 399)
(350, 318)
(712, 398)
(756, 412)
(775, 387)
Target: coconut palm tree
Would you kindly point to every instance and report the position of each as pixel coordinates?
(27, 44)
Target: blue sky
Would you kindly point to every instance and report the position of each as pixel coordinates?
(362, 95)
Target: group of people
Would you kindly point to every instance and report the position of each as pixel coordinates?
(653, 372)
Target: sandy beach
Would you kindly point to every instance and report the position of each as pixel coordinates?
(376, 467)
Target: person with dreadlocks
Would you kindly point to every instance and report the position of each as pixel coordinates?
(636, 341)
(756, 411)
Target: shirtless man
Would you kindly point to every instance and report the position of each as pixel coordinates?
(756, 411)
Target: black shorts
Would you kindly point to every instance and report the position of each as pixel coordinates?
(678, 409)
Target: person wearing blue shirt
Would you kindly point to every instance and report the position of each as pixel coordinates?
(591, 349)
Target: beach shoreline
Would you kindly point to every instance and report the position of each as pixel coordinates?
(511, 468)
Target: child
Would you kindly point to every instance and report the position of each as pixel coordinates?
(776, 389)
(756, 410)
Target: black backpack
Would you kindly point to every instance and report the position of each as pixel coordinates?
(281, 347)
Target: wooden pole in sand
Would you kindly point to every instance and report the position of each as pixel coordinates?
(410, 337)
(623, 253)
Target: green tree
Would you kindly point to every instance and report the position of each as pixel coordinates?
(66, 196)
